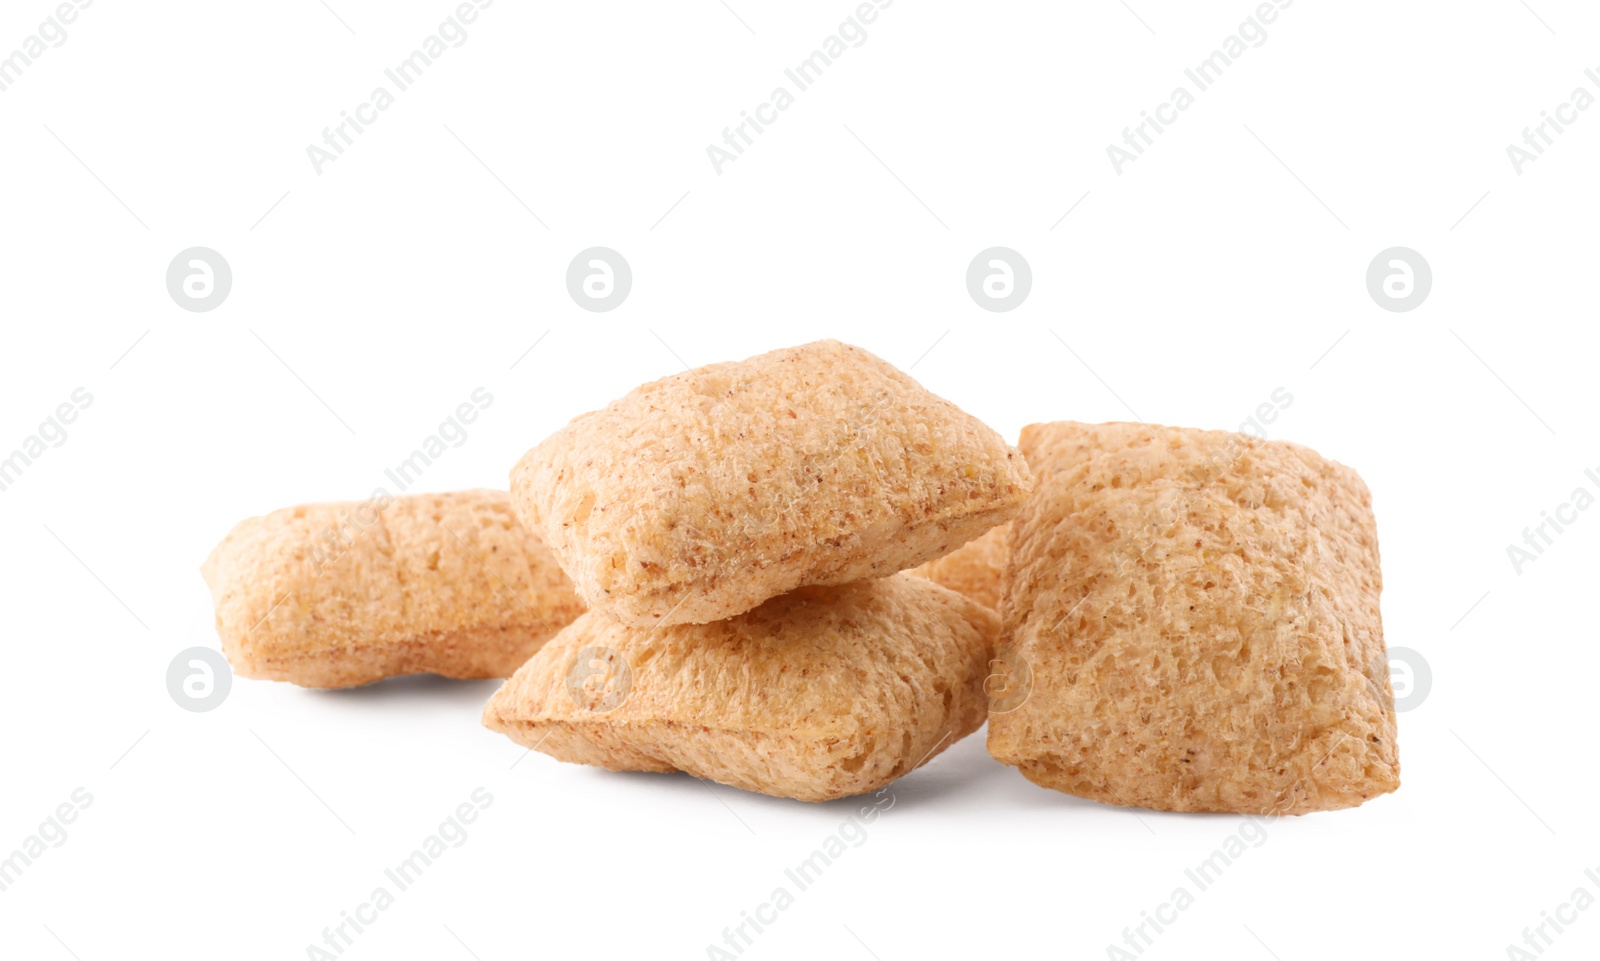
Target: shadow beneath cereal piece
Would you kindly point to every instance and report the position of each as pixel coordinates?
(431, 688)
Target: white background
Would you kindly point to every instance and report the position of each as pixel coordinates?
(1226, 262)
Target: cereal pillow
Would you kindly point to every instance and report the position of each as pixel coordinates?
(701, 495)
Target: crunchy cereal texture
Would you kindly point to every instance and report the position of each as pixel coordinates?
(973, 569)
(1049, 448)
(335, 595)
(701, 495)
(820, 693)
(1199, 614)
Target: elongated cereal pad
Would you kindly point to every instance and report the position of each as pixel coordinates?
(336, 595)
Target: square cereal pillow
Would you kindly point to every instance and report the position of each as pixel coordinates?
(701, 495)
(818, 694)
(1192, 624)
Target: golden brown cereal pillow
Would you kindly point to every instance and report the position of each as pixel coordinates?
(335, 595)
(1049, 448)
(1194, 626)
(820, 693)
(701, 495)
(973, 569)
